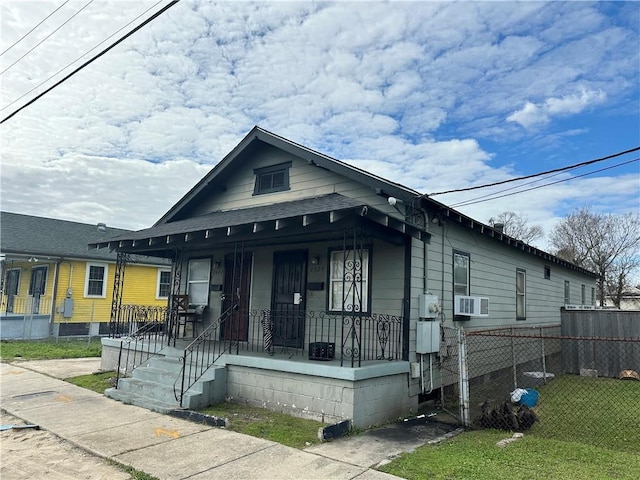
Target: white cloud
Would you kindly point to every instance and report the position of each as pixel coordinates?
(417, 92)
(532, 115)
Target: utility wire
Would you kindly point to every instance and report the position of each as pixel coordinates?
(85, 53)
(471, 202)
(45, 38)
(92, 59)
(582, 164)
(29, 32)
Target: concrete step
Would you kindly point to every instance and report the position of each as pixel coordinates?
(154, 390)
(131, 398)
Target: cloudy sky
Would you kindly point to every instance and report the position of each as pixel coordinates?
(432, 95)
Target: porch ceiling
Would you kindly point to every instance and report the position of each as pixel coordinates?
(308, 218)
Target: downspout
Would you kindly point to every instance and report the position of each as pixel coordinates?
(54, 294)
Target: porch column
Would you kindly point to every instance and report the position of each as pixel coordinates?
(115, 326)
(171, 325)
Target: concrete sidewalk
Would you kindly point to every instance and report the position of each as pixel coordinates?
(159, 445)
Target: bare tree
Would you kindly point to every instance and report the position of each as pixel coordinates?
(516, 226)
(606, 244)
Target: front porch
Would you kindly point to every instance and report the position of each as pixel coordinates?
(287, 381)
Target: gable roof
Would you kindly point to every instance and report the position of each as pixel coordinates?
(50, 238)
(213, 181)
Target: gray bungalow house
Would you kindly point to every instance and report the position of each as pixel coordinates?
(309, 286)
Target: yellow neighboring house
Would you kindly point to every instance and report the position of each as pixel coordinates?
(54, 285)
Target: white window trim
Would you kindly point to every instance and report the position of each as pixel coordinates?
(104, 279)
(522, 294)
(194, 282)
(160, 271)
(468, 284)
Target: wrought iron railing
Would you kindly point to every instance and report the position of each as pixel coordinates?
(131, 317)
(349, 338)
(138, 347)
(201, 354)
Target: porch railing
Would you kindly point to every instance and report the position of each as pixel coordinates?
(130, 318)
(201, 354)
(349, 338)
(23, 306)
(138, 347)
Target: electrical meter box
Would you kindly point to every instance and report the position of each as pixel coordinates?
(428, 306)
(427, 337)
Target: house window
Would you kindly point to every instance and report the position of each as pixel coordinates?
(593, 296)
(198, 281)
(95, 283)
(38, 283)
(547, 272)
(461, 273)
(11, 288)
(583, 295)
(567, 292)
(521, 294)
(12, 282)
(164, 283)
(349, 281)
(272, 179)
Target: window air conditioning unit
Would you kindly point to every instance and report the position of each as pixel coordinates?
(471, 306)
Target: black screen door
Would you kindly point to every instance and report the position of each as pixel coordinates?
(287, 299)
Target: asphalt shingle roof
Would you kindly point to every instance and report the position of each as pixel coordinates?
(40, 236)
(231, 218)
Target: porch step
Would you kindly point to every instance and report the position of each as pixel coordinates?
(152, 384)
(131, 398)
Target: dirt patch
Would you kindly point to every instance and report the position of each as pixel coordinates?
(31, 454)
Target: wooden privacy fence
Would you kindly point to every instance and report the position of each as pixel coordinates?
(604, 342)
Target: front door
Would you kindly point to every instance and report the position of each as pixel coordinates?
(287, 299)
(37, 286)
(237, 290)
(13, 280)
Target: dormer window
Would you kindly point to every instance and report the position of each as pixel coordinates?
(274, 178)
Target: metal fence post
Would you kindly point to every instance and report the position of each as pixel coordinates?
(463, 378)
(544, 360)
(513, 360)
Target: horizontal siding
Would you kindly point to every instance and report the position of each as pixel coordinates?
(139, 287)
(305, 181)
(493, 275)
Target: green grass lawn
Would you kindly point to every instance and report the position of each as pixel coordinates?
(49, 349)
(589, 428)
(474, 455)
(602, 412)
(259, 422)
(98, 382)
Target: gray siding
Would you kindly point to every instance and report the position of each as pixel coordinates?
(305, 180)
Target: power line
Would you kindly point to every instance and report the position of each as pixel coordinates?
(48, 36)
(85, 53)
(582, 164)
(94, 58)
(29, 32)
(472, 202)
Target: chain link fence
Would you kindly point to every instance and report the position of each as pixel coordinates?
(584, 389)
